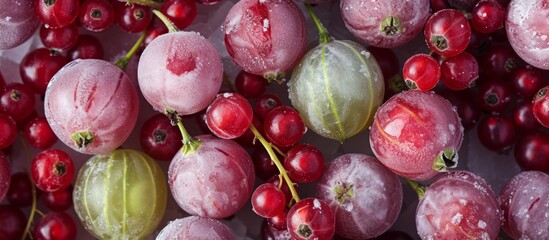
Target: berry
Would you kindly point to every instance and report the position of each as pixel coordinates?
(447, 32)
(268, 201)
(283, 126)
(52, 170)
(311, 218)
(421, 72)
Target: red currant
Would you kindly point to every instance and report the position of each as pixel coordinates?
(523, 115)
(17, 101)
(59, 200)
(265, 103)
(133, 18)
(61, 39)
(532, 152)
(39, 66)
(159, 138)
(447, 32)
(264, 166)
(38, 133)
(495, 95)
(181, 12)
(268, 201)
(52, 170)
(283, 126)
(20, 191)
(421, 72)
(526, 81)
(12, 222)
(96, 15)
(304, 163)
(459, 72)
(55, 226)
(496, 132)
(487, 16)
(57, 13)
(8, 131)
(311, 218)
(229, 115)
(541, 106)
(250, 85)
(87, 46)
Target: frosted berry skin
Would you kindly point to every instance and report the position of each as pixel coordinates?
(416, 134)
(364, 195)
(336, 88)
(447, 32)
(458, 205)
(180, 72)
(528, 31)
(17, 22)
(91, 105)
(121, 195)
(524, 202)
(385, 24)
(197, 228)
(265, 37)
(311, 218)
(215, 181)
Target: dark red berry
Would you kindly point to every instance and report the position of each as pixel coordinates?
(159, 138)
(304, 163)
(39, 134)
(496, 132)
(87, 47)
(268, 201)
(8, 131)
(17, 101)
(57, 13)
(541, 106)
(20, 191)
(265, 103)
(12, 222)
(59, 200)
(532, 152)
(447, 32)
(181, 12)
(38, 67)
(61, 39)
(250, 85)
(96, 15)
(283, 126)
(55, 226)
(133, 18)
(487, 16)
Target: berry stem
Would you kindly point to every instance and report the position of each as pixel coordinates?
(33, 191)
(322, 32)
(274, 158)
(123, 61)
(190, 144)
(171, 27)
(420, 190)
(148, 3)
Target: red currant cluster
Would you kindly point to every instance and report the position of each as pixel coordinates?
(231, 116)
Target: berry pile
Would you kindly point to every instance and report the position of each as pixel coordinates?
(273, 119)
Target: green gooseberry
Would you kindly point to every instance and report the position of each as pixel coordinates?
(337, 88)
(121, 195)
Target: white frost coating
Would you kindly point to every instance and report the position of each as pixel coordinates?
(365, 54)
(481, 224)
(463, 202)
(227, 95)
(394, 128)
(456, 219)
(265, 25)
(452, 128)
(316, 204)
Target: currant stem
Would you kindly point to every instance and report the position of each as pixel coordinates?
(31, 215)
(123, 61)
(274, 158)
(420, 190)
(148, 3)
(171, 27)
(322, 32)
(33, 191)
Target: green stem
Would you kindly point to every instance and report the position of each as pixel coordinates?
(31, 215)
(123, 61)
(275, 160)
(171, 27)
(148, 3)
(33, 191)
(420, 190)
(322, 32)
(190, 144)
